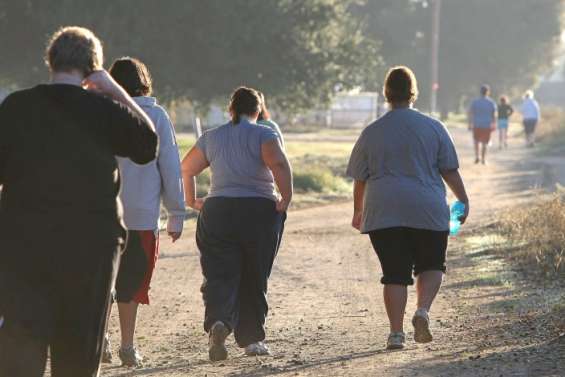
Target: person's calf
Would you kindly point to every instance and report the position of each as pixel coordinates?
(395, 297)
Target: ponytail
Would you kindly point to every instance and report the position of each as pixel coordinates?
(244, 101)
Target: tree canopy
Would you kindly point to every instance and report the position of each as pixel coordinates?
(506, 43)
(296, 51)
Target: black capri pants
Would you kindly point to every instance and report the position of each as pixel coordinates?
(238, 240)
(403, 251)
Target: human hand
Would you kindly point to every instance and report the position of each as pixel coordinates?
(102, 82)
(282, 206)
(174, 235)
(198, 204)
(463, 217)
(357, 218)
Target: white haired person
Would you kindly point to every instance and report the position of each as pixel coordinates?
(60, 224)
(530, 117)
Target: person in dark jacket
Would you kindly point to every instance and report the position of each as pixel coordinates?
(60, 222)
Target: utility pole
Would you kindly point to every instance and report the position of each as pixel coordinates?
(434, 64)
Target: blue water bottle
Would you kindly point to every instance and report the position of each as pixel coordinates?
(457, 210)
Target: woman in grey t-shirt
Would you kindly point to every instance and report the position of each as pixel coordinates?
(399, 165)
(241, 222)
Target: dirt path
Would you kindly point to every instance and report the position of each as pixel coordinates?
(327, 317)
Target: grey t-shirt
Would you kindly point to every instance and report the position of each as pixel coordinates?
(275, 127)
(234, 154)
(400, 156)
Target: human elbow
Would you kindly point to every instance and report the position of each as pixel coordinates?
(147, 150)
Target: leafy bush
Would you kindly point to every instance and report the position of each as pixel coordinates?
(318, 179)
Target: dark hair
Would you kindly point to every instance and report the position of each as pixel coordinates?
(244, 101)
(400, 85)
(74, 47)
(133, 76)
(485, 89)
(264, 114)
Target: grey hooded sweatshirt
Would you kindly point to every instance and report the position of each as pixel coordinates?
(144, 186)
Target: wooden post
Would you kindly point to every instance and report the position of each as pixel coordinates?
(434, 66)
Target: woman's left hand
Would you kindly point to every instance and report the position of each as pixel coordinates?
(282, 206)
(174, 235)
(198, 204)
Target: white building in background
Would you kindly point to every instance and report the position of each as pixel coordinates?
(350, 110)
(347, 110)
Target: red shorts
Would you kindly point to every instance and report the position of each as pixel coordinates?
(150, 244)
(137, 266)
(482, 135)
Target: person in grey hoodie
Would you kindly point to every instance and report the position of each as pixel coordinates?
(143, 188)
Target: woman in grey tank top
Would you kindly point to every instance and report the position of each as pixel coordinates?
(241, 222)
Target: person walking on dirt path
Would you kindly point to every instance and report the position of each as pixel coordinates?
(143, 189)
(398, 164)
(241, 222)
(60, 225)
(530, 117)
(505, 110)
(266, 120)
(482, 115)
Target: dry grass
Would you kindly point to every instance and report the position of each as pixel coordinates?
(537, 234)
(551, 130)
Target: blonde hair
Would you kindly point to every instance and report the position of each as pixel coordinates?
(74, 48)
(529, 94)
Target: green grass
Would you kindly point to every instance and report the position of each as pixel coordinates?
(322, 149)
(185, 142)
(318, 164)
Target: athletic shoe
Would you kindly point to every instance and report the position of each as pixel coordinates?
(477, 160)
(106, 351)
(421, 323)
(130, 357)
(217, 342)
(257, 349)
(396, 341)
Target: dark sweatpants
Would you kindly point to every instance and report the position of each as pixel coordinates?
(238, 240)
(55, 298)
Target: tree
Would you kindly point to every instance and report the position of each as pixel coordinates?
(296, 51)
(506, 43)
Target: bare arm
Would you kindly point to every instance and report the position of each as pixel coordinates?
(455, 183)
(193, 164)
(274, 157)
(358, 198)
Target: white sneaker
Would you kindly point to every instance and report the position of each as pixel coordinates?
(421, 323)
(395, 341)
(257, 349)
(106, 351)
(217, 342)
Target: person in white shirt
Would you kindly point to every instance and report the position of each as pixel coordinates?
(530, 117)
